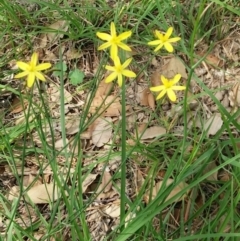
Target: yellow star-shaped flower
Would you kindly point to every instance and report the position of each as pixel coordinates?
(114, 41)
(32, 70)
(119, 70)
(168, 87)
(164, 40)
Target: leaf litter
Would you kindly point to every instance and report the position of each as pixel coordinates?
(99, 136)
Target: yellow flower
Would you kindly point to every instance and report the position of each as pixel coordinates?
(114, 41)
(168, 87)
(119, 70)
(164, 40)
(32, 70)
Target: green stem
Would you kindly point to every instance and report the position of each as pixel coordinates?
(123, 166)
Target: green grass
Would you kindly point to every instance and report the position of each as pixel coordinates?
(210, 210)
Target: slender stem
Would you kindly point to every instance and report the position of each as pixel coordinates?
(123, 166)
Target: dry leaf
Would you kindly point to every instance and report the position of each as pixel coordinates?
(173, 67)
(144, 97)
(138, 180)
(212, 59)
(113, 210)
(103, 88)
(102, 131)
(153, 132)
(57, 29)
(147, 98)
(44, 193)
(54, 94)
(88, 181)
(213, 177)
(59, 144)
(213, 124)
(155, 79)
(111, 106)
(151, 100)
(17, 106)
(72, 125)
(178, 188)
(106, 184)
(73, 53)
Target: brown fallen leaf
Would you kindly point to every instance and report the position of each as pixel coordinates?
(144, 97)
(56, 32)
(213, 124)
(147, 98)
(106, 184)
(103, 88)
(90, 178)
(113, 210)
(155, 79)
(44, 193)
(18, 106)
(173, 67)
(214, 176)
(151, 100)
(102, 131)
(212, 59)
(178, 188)
(108, 106)
(153, 132)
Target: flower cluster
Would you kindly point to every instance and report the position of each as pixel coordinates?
(32, 70)
(114, 41)
(119, 70)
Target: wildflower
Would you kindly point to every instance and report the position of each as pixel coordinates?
(168, 87)
(114, 41)
(164, 40)
(32, 70)
(119, 70)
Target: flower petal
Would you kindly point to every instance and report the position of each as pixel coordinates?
(22, 74)
(158, 47)
(116, 61)
(111, 77)
(43, 66)
(23, 66)
(30, 79)
(104, 46)
(128, 73)
(111, 68)
(168, 33)
(157, 88)
(104, 36)
(124, 35)
(172, 40)
(124, 46)
(126, 63)
(168, 47)
(113, 51)
(162, 93)
(172, 96)
(113, 29)
(34, 59)
(165, 81)
(40, 76)
(159, 35)
(120, 80)
(155, 42)
(178, 87)
(176, 79)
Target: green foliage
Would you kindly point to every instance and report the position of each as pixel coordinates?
(59, 68)
(76, 77)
